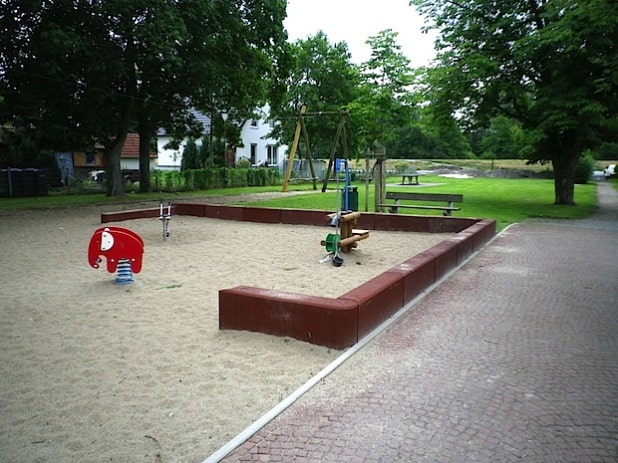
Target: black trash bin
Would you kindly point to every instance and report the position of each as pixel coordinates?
(4, 183)
(36, 181)
(16, 185)
(352, 193)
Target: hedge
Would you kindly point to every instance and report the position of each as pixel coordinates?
(215, 177)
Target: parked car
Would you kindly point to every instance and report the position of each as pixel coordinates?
(610, 171)
(97, 176)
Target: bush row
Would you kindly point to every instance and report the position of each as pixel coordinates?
(215, 177)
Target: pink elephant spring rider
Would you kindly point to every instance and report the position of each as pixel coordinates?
(123, 250)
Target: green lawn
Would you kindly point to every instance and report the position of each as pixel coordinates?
(505, 200)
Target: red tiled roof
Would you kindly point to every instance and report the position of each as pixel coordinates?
(130, 149)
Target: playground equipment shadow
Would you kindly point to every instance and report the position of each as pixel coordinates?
(339, 322)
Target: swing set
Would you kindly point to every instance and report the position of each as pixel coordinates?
(301, 130)
(344, 219)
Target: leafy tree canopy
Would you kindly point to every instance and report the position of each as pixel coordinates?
(504, 139)
(378, 93)
(385, 102)
(551, 64)
(323, 78)
(72, 72)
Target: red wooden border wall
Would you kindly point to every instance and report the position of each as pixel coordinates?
(336, 322)
(370, 304)
(107, 217)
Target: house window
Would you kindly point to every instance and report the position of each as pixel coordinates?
(253, 153)
(271, 154)
(254, 123)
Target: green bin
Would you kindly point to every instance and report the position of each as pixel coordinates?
(352, 193)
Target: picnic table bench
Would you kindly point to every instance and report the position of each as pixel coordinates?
(397, 196)
(410, 178)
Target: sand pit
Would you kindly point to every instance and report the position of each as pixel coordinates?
(97, 372)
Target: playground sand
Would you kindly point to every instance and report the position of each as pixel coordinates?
(93, 371)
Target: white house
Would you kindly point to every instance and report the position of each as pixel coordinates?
(258, 147)
(129, 156)
(170, 158)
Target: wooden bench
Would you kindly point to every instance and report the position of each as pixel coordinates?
(449, 199)
(411, 177)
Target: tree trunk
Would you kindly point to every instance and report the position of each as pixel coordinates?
(113, 149)
(564, 189)
(144, 160)
(567, 153)
(115, 182)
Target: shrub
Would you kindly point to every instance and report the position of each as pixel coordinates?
(401, 167)
(189, 179)
(190, 156)
(132, 187)
(214, 177)
(170, 181)
(585, 167)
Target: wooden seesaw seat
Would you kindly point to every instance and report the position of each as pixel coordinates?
(350, 236)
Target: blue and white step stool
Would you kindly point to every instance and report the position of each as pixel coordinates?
(124, 272)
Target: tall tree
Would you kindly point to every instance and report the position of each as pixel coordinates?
(385, 102)
(42, 71)
(551, 64)
(504, 139)
(85, 70)
(323, 78)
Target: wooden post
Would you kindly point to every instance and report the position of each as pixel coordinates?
(367, 180)
(288, 170)
(309, 156)
(333, 152)
(380, 179)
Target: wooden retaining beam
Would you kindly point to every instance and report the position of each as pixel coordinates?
(368, 305)
(107, 217)
(317, 320)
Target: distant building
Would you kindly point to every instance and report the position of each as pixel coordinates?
(171, 158)
(258, 147)
(129, 156)
(82, 164)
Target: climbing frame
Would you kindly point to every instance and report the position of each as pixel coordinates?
(349, 236)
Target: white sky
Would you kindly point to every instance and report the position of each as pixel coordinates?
(354, 21)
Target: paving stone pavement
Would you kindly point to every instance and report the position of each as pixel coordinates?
(514, 358)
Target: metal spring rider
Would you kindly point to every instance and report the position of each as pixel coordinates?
(165, 215)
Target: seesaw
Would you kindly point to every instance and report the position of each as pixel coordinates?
(348, 236)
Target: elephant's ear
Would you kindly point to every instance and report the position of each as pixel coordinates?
(107, 240)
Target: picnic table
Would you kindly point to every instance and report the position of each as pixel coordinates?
(410, 178)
